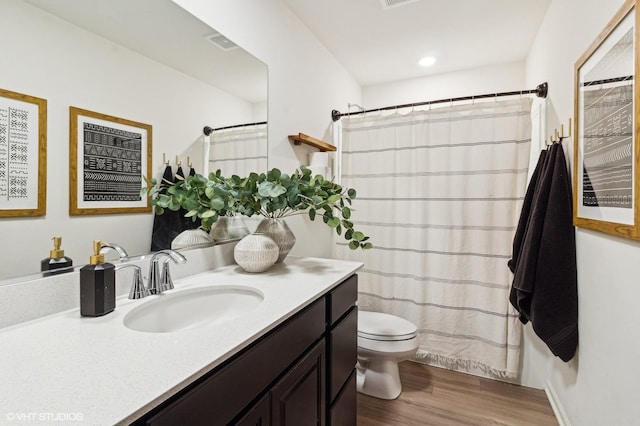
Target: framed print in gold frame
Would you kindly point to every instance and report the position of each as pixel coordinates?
(23, 155)
(108, 159)
(606, 151)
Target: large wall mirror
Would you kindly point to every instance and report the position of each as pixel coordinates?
(145, 60)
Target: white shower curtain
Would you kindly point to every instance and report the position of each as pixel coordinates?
(439, 193)
(239, 151)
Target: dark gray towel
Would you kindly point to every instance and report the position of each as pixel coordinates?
(545, 288)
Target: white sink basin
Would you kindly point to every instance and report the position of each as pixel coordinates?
(193, 308)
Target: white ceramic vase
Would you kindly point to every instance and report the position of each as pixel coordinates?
(229, 228)
(191, 238)
(279, 232)
(256, 253)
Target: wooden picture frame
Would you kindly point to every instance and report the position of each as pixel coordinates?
(23, 155)
(108, 159)
(606, 149)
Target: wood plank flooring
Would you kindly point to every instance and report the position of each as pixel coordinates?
(434, 396)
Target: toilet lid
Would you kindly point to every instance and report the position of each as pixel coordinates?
(379, 326)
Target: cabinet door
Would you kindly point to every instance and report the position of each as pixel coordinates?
(342, 352)
(298, 399)
(259, 415)
(344, 409)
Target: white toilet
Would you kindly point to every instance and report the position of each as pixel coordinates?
(383, 341)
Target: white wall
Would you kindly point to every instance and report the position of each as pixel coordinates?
(600, 385)
(46, 57)
(496, 78)
(305, 84)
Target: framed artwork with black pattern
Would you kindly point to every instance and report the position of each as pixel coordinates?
(23, 155)
(108, 160)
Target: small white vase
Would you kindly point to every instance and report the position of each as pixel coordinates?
(256, 253)
(229, 228)
(279, 232)
(192, 238)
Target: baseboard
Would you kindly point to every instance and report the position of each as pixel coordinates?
(559, 412)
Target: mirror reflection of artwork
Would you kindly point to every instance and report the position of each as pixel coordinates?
(112, 164)
(22, 154)
(108, 157)
(608, 129)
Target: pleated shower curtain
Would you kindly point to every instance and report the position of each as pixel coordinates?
(439, 194)
(239, 151)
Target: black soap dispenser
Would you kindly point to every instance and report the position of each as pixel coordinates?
(56, 259)
(97, 285)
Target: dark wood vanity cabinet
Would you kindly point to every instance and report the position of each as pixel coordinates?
(300, 373)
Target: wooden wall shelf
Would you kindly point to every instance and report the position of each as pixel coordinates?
(301, 138)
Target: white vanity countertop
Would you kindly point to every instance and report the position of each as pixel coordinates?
(68, 369)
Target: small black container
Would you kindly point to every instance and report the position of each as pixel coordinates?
(97, 285)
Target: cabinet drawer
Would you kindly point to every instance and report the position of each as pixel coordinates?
(222, 396)
(342, 298)
(343, 351)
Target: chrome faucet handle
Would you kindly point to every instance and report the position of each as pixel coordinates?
(116, 247)
(157, 282)
(138, 290)
(166, 283)
(154, 281)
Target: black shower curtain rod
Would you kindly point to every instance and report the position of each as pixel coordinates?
(208, 130)
(541, 91)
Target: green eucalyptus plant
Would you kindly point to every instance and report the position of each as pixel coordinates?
(273, 195)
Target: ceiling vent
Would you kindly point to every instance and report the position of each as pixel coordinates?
(389, 4)
(221, 41)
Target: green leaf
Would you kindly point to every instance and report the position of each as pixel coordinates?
(209, 191)
(354, 245)
(159, 210)
(347, 224)
(191, 213)
(367, 246)
(346, 212)
(273, 174)
(351, 193)
(358, 236)
(270, 189)
(349, 234)
(312, 214)
(334, 198)
(334, 222)
(208, 213)
(216, 203)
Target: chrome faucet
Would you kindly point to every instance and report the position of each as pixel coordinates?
(159, 282)
(138, 291)
(118, 249)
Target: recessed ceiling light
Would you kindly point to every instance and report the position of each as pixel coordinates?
(427, 61)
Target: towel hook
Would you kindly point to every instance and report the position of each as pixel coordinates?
(164, 159)
(178, 162)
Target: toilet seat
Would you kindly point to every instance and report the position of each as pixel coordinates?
(384, 327)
